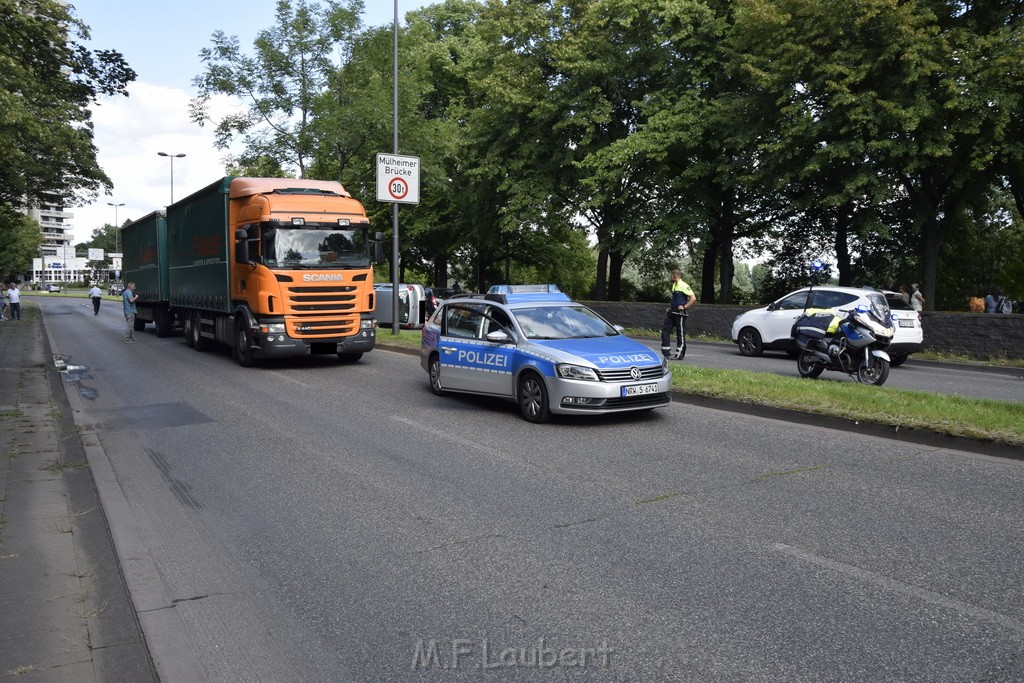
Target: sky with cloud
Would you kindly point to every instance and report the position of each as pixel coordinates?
(161, 41)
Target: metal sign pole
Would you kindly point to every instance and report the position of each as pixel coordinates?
(394, 209)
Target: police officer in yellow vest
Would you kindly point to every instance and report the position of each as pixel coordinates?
(675, 317)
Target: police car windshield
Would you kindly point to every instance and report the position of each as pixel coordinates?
(561, 322)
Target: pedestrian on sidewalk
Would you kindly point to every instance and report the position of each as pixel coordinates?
(14, 297)
(675, 317)
(96, 293)
(129, 298)
(917, 298)
(3, 304)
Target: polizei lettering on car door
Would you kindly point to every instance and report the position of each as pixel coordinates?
(626, 359)
(490, 360)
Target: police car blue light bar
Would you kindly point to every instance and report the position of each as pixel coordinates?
(508, 294)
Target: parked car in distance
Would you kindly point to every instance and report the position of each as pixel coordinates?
(54, 287)
(909, 337)
(116, 289)
(770, 327)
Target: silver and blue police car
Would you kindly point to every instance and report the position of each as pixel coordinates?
(534, 345)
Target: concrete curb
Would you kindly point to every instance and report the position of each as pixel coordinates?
(923, 437)
(167, 639)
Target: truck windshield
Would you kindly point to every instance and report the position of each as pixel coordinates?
(315, 247)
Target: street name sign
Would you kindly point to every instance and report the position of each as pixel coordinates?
(398, 179)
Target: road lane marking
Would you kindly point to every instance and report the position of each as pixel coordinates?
(887, 583)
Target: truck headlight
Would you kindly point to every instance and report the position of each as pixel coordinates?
(272, 328)
(368, 324)
(566, 371)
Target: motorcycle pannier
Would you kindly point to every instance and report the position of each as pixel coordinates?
(813, 326)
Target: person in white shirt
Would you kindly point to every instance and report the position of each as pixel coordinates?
(14, 296)
(96, 293)
(917, 298)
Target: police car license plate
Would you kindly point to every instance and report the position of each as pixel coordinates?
(906, 323)
(639, 390)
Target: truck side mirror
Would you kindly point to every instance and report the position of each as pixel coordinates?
(242, 240)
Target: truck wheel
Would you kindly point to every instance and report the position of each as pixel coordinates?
(188, 332)
(199, 342)
(163, 322)
(243, 344)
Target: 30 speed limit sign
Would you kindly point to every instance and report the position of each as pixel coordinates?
(398, 179)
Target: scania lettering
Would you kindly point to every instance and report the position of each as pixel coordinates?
(271, 267)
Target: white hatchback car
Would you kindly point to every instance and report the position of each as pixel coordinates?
(770, 327)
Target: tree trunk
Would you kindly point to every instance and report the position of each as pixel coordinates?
(601, 283)
(726, 271)
(615, 262)
(930, 233)
(842, 246)
(707, 274)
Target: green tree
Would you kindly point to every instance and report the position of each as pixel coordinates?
(47, 83)
(20, 238)
(292, 65)
(878, 102)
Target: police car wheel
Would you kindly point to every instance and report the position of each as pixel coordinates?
(533, 398)
(435, 376)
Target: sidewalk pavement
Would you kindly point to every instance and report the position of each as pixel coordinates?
(65, 614)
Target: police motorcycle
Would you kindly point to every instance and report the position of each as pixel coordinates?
(853, 342)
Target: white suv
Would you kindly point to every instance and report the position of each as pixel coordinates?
(770, 327)
(909, 337)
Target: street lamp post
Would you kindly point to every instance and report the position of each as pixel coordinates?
(117, 228)
(172, 158)
(117, 231)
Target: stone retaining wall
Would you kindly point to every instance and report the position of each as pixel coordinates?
(972, 334)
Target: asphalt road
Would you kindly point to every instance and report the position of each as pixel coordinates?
(319, 521)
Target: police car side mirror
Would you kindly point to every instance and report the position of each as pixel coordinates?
(499, 337)
(772, 306)
(618, 328)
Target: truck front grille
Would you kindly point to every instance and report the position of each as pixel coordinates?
(309, 305)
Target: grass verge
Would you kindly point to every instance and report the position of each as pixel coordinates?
(408, 339)
(901, 408)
